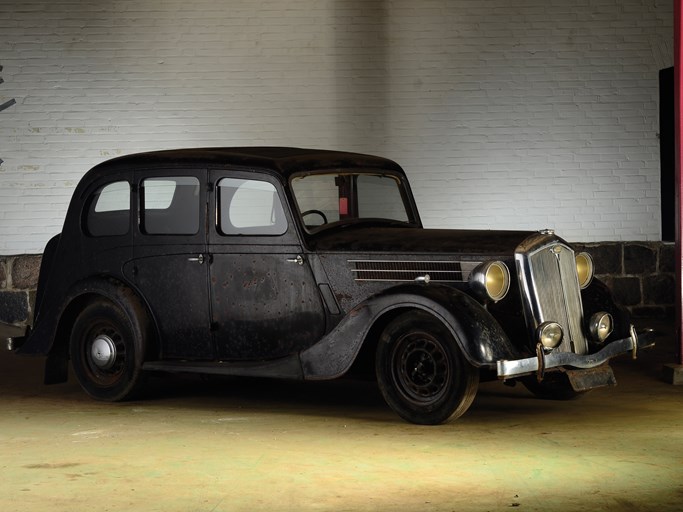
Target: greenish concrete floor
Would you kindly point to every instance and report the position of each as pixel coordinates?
(245, 445)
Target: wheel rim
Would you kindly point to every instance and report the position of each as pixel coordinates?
(421, 368)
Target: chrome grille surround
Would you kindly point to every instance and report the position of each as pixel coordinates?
(550, 288)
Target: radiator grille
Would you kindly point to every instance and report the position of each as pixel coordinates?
(554, 294)
(387, 270)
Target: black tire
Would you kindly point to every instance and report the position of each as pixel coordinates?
(107, 348)
(421, 371)
(554, 386)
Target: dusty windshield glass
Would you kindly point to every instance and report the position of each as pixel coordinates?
(341, 198)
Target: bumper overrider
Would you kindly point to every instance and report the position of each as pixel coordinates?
(567, 360)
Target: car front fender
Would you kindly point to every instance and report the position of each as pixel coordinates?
(479, 336)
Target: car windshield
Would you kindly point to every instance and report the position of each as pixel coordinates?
(343, 198)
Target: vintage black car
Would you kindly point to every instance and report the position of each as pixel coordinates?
(301, 264)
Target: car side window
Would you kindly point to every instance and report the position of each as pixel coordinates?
(108, 212)
(170, 206)
(249, 207)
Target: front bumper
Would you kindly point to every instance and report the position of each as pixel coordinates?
(543, 361)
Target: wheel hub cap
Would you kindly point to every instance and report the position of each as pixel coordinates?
(422, 369)
(103, 352)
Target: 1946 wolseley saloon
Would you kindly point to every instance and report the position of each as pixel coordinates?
(297, 264)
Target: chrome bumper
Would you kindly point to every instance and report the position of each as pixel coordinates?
(543, 361)
(12, 336)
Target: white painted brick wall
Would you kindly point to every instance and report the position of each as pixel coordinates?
(506, 114)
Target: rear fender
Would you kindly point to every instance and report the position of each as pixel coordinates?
(57, 346)
(46, 262)
(44, 318)
(479, 336)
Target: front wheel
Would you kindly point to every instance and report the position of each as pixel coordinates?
(422, 372)
(106, 349)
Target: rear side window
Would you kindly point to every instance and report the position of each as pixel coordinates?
(249, 207)
(170, 206)
(108, 211)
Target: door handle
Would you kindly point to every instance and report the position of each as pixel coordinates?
(299, 260)
(199, 259)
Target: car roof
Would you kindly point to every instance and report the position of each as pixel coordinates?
(282, 160)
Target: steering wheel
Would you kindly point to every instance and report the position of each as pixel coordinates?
(315, 212)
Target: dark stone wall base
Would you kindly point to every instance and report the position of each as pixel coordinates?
(14, 307)
(18, 282)
(641, 275)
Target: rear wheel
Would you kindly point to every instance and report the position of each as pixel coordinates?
(422, 372)
(106, 347)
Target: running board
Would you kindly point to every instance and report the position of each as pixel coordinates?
(285, 368)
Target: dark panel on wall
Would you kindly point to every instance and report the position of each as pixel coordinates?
(667, 153)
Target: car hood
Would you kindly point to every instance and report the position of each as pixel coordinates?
(418, 240)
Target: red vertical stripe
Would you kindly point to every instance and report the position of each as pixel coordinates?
(343, 206)
(678, 55)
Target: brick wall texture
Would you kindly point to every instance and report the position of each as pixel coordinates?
(521, 114)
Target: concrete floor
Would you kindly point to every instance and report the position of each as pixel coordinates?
(245, 445)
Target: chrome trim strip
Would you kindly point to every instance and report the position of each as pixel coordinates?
(518, 367)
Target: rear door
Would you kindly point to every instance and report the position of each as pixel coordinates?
(170, 265)
(265, 301)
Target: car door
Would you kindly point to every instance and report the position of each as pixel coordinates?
(265, 301)
(170, 266)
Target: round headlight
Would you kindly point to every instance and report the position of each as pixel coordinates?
(550, 334)
(601, 326)
(584, 269)
(491, 280)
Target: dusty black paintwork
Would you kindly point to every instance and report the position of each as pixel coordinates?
(287, 305)
(470, 244)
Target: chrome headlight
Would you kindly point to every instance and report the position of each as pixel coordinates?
(601, 325)
(584, 269)
(491, 280)
(549, 334)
